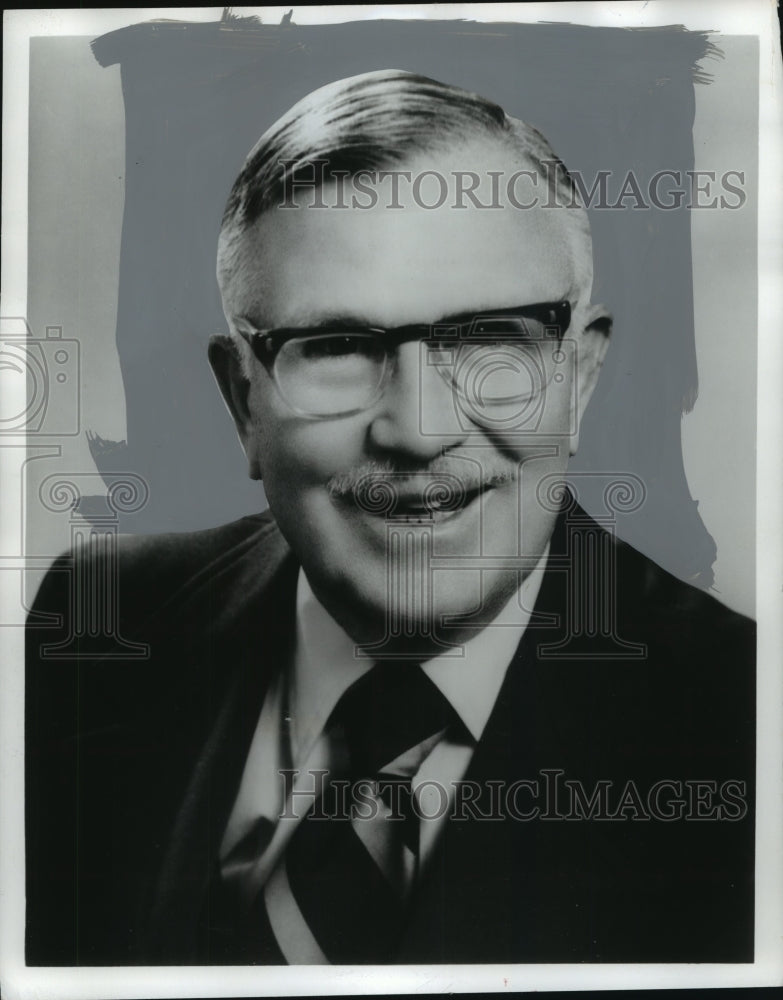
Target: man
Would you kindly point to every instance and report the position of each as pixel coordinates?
(425, 710)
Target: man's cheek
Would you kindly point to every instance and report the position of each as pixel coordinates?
(313, 453)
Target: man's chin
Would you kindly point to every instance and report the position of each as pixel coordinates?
(435, 612)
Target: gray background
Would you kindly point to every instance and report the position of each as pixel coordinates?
(78, 184)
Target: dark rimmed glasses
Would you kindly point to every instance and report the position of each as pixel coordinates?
(491, 360)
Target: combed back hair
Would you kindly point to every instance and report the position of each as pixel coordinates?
(375, 121)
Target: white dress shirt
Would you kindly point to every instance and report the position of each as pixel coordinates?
(290, 732)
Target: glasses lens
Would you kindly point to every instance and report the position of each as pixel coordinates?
(494, 375)
(330, 374)
(501, 362)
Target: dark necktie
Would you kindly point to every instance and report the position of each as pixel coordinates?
(340, 893)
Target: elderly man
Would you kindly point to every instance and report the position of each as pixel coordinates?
(424, 709)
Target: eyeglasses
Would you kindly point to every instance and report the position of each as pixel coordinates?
(490, 360)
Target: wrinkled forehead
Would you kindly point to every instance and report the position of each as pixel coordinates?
(437, 235)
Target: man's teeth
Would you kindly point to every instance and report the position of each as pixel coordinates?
(423, 508)
(419, 508)
(416, 508)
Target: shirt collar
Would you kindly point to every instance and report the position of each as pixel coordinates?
(324, 667)
(472, 682)
(325, 664)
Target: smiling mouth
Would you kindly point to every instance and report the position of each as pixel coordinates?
(419, 509)
(423, 507)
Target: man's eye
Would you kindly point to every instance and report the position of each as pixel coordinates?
(340, 346)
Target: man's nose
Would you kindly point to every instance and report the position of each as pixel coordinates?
(417, 414)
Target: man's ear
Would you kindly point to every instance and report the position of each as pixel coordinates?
(591, 348)
(234, 386)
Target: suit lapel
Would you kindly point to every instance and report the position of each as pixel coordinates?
(465, 907)
(250, 642)
(475, 902)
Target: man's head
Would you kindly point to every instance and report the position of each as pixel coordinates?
(389, 202)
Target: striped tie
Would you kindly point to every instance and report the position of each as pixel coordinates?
(340, 893)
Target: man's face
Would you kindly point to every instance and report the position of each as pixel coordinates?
(388, 267)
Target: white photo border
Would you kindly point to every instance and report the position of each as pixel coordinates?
(751, 17)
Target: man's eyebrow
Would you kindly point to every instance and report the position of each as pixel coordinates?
(334, 321)
(328, 322)
(457, 319)
(452, 319)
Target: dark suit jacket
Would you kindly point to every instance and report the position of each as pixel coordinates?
(133, 763)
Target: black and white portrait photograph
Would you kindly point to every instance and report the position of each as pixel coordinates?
(391, 543)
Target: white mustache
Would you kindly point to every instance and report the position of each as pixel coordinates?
(410, 483)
